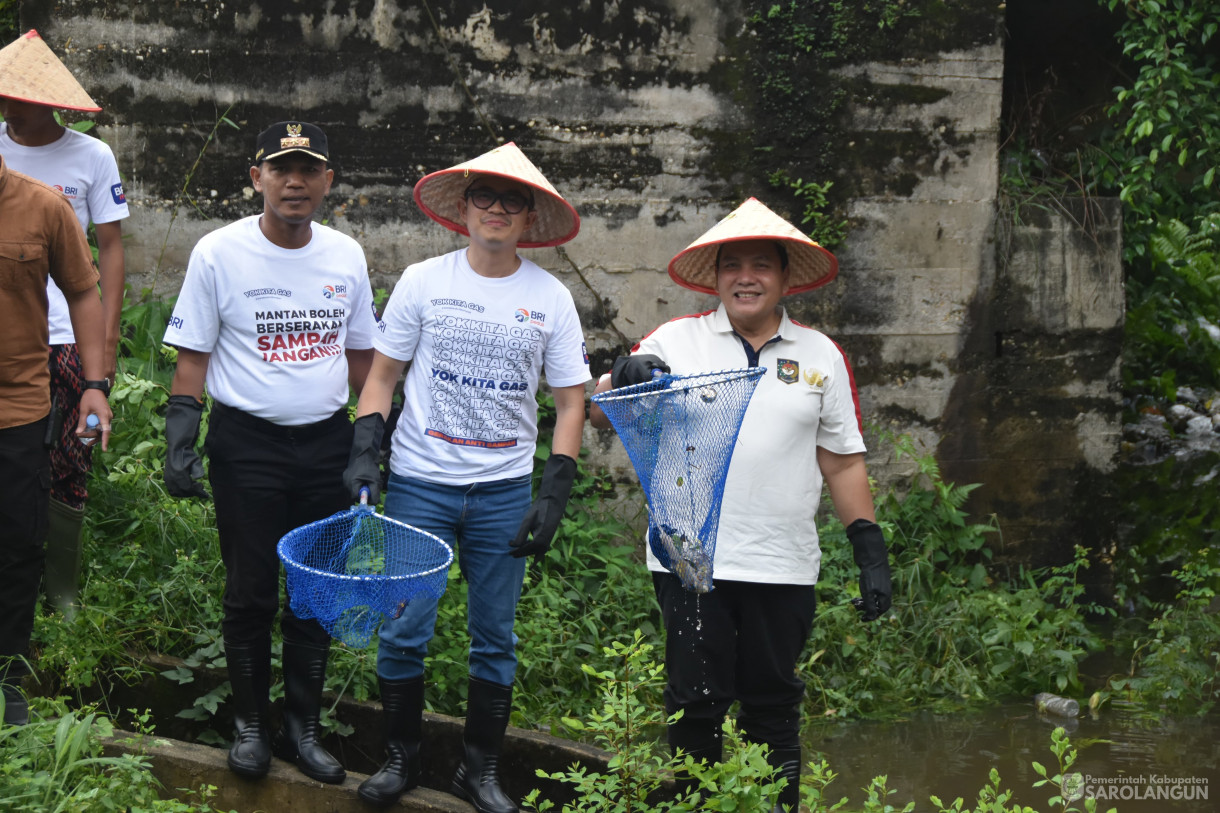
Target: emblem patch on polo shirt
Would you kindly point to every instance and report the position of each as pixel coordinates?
(814, 378)
(787, 370)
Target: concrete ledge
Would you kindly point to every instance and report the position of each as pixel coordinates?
(178, 763)
(182, 766)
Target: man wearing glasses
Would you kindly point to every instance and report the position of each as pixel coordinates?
(478, 326)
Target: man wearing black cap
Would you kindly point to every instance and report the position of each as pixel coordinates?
(276, 317)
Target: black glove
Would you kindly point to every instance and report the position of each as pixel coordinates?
(183, 468)
(868, 549)
(387, 442)
(542, 520)
(629, 370)
(364, 463)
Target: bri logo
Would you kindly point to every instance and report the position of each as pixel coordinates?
(334, 291)
(116, 192)
(537, 318)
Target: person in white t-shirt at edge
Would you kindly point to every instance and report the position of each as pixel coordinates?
(276, 316)
(33, 84)
(478, 326)
(741, 641)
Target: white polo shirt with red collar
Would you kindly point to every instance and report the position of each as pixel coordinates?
(806, 399)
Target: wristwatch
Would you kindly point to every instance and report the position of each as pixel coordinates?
(103, 385)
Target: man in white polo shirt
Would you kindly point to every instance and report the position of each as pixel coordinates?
(741, 641)
(276, 316)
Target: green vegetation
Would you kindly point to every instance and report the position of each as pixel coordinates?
(1176, 659)
(1173, 321)
(8, 20)
(56, 764)
(1028, 632)
(816, 219)
(1154, 144)
(154, 580)
(1161, 160)
(743, 781)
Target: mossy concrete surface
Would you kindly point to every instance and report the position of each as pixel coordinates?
(183, 765)
(179, 763)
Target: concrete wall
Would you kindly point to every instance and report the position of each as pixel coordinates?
(1035, 410)
(646, 115)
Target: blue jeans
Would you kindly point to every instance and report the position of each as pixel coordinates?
(478, 520)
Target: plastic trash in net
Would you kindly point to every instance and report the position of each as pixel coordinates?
(355, 568)
(679, 432)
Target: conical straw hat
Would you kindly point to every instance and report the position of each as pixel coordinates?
(30, 72)
(809, 265)
(438, 195)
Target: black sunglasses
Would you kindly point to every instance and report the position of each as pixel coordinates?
(512, 202)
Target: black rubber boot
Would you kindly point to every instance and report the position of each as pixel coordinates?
(297, 740)
(477, 780)
(698, 738)
(402, 712)
(787, 763)
(61, 576)
(249, 675)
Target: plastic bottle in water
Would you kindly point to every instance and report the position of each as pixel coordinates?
(1048, 703)
(91, 423)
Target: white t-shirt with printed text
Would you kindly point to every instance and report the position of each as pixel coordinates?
(84, 169)
(806, 399)
(276, 320)
(477, 347)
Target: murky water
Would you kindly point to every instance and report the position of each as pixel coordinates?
(1163, 765)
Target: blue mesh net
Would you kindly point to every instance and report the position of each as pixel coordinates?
(356, 567)
(679, 432)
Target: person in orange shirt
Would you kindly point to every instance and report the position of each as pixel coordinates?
(41, 238)
(33, 85)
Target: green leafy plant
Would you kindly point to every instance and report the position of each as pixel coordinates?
(1173, 323)
(8, 19)
(1161, 160)
(56, 764)
(1176, 667)
(818, 218)
(1062, 780)
(1031, 630)
(629, 726)
(1167, 148)
(638, 776)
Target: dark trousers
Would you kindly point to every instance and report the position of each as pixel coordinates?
(71, 460)
(739, 642)
(25, 487)
(266, 480)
